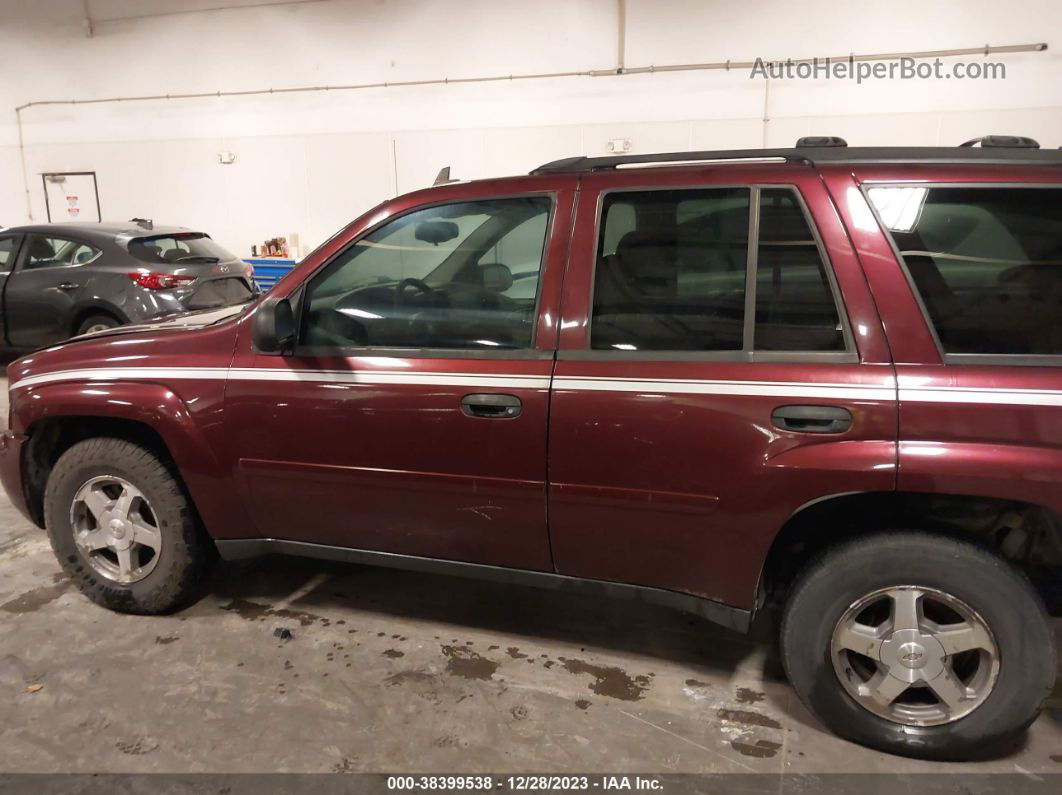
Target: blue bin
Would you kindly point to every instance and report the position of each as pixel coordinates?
(269, 271)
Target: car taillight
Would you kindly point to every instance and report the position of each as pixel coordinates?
(161, 281)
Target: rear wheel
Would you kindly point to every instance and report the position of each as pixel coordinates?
(94, 323)
(123, 529)
(919, 645)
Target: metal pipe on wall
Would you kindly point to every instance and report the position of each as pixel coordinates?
(618, 71)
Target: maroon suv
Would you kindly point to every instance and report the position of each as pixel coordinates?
(822, 376)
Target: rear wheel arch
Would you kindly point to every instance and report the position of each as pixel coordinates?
(1026, 534)
(83, 312)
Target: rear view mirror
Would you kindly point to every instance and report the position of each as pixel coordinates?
(274, 326)
(436, 232)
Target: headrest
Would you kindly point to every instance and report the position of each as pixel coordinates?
(496, 277)
(40, 248)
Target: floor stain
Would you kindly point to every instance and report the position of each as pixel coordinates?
(346, 765)
(515, 653)
(419, 683)
(609, 680)
(696, 683)
(408, 677)
(394, 654)
(746, 695)
(747, 718)
(256, 611)
(165, 641)
(449, 741)
(462, 661)
(137, 748)
(37, 598)
(582, 703)
(761, 749)
(1056, 758)
(519, 712)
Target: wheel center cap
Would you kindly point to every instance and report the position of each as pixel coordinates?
(117, 528)
(912, 655)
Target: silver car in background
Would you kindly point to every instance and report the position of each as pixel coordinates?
(62, 280)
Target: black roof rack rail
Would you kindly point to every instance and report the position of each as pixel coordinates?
(814, 155)
(1010, 141)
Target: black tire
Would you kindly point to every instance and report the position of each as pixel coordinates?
(186, 553)
(99, 322)
(999, 593)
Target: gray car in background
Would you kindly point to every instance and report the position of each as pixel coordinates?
(61, 280)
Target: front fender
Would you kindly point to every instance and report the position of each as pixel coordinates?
(157, 406)
(154, 405)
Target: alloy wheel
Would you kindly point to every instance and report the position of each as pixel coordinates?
(116, 529)
(915, 655)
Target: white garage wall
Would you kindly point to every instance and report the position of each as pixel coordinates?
(307, 163)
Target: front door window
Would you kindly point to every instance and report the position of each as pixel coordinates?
(453, 276)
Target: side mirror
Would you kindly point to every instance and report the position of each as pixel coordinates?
(274, 326)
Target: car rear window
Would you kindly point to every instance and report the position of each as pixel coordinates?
(985, 261)
(186, 247)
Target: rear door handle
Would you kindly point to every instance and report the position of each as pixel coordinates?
(67, 286)
(491, 406)
(812, 419)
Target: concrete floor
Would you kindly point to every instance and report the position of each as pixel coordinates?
(392, 671)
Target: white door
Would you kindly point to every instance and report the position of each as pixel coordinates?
(72, 197)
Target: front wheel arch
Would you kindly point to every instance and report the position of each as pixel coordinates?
(49, 438)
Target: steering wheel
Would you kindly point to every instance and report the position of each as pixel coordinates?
(418, 284)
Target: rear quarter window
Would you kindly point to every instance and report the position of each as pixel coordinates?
(986, 263)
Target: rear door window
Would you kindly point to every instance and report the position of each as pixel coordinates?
(7, 252)
(795, 307)
(43, 251)
(986, 263)
(671, 270)
(672, 274)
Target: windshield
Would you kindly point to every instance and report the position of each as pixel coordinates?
(183, 247)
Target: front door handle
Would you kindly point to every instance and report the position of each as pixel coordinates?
(491, 406)
(67, 286)
(812, 419)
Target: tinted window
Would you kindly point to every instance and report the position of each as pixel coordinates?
(987, 263)
(47, 252)
(459, 275)
(188, 247)
(795, 308)
(7, 249)
(672, 267)
(671, 270)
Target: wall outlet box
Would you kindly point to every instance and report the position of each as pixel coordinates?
(226, 158)
(619, 146)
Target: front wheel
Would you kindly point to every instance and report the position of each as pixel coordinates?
(919, 645)
(123, 529)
